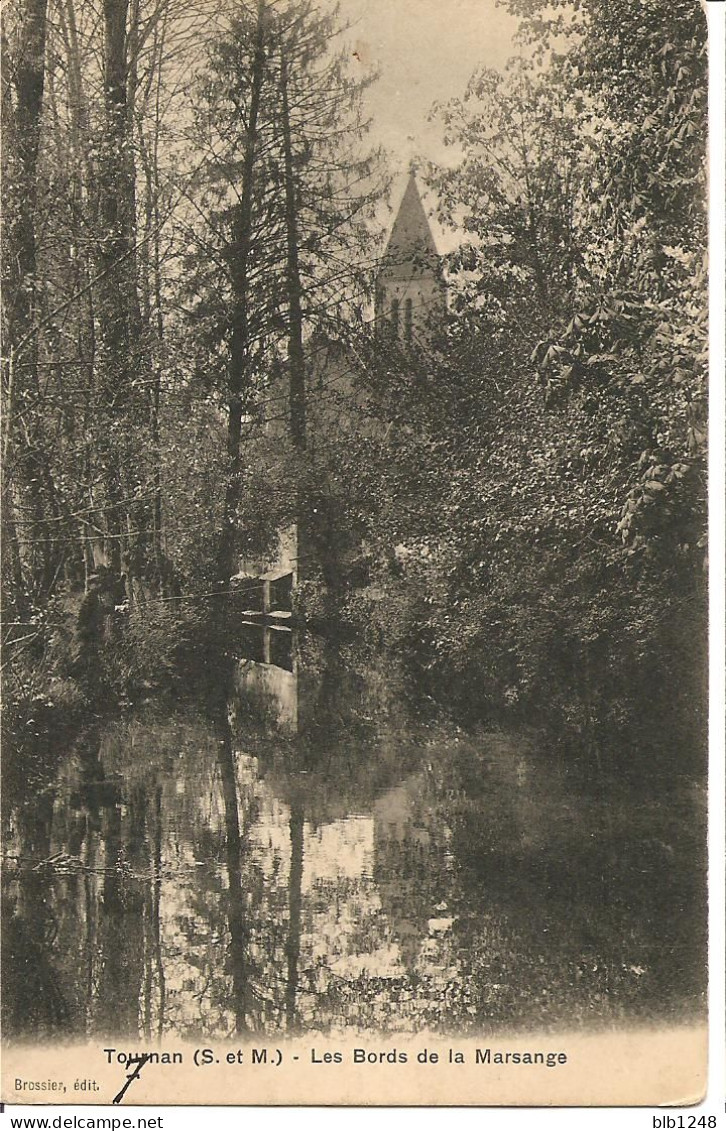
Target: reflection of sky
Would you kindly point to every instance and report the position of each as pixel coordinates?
(337, 879)
(341, 850)
(192, 883)
(337, 886)
(346, 935)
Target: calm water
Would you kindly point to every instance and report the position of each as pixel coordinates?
(334, 859)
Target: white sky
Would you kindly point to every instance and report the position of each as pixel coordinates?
(425, 51)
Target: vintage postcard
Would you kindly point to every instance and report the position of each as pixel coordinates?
(354, 563)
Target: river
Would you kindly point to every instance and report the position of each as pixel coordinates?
(338, 856)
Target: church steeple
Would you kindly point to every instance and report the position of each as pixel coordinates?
(409, 291)
(410, 246)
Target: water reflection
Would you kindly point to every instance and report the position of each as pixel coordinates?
(325, 859)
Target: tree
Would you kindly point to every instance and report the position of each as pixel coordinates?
(91, 102)
(282, 206)
(22, 112)
(555, 435)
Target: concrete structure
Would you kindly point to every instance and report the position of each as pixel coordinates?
(265, 584)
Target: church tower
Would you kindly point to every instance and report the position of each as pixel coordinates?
(410, 292)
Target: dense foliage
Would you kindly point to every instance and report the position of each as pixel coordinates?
(544, 468)
(186, 191)
(518, 501)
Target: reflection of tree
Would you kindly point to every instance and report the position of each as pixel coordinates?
(410, 868)
(387, 875)
(354, 743)
(223, 939)
(154, 977)
(94, 884)
(297, 827)
(235, 897)
(33, 1001)
(156, 912)
(560, 893)
(121, 938)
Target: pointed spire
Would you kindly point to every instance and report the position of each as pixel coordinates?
(411, 244)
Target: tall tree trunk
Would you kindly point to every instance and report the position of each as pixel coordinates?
(296, 356)
(237, 371)
(295, 353)
(156, 310)
(118, 308)
(29, 86)
(20, 371)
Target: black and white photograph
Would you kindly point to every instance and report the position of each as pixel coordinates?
(354, 551)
